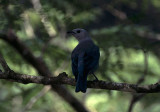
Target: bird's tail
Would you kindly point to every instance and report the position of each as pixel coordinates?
(81, 84)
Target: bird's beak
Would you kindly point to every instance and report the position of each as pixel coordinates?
(70, 32)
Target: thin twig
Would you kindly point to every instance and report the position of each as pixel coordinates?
(35, 98)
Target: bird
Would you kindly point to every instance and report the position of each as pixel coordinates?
(85, 58)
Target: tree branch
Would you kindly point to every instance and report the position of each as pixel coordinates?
(64, 79)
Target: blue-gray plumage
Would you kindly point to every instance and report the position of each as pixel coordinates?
(85, 58)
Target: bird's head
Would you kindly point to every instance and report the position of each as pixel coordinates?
(79, 34)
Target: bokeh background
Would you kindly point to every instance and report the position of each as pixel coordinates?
(127, 32)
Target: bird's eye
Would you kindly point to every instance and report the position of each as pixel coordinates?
(78, 31)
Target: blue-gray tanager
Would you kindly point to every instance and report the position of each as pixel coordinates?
(85, 58)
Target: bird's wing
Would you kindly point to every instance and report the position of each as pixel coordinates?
(93, 61)
(74, 64)
(81, 63)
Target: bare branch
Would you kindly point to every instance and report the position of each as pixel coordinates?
(64, 79)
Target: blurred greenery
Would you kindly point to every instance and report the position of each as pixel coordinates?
(42, 27)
